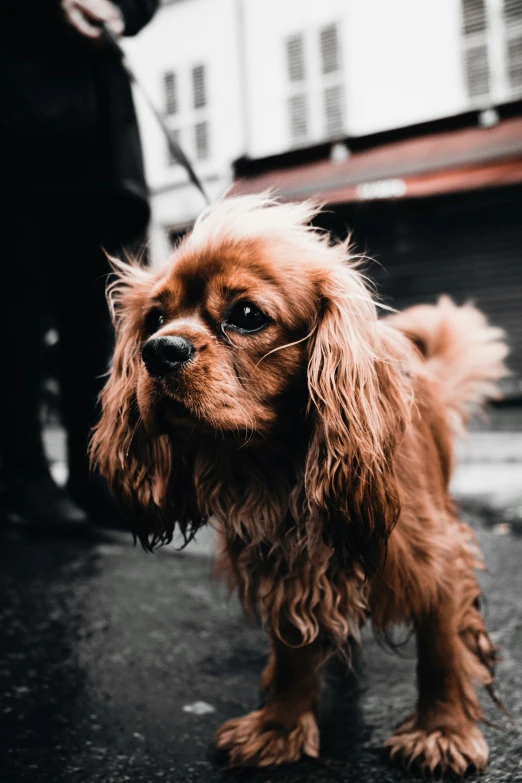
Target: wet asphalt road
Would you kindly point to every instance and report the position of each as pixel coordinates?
(102, 647)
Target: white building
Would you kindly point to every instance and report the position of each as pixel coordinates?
(187, 61)
(256, 78)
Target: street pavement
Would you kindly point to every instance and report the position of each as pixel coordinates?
(117, 665)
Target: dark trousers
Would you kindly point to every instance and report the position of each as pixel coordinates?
(53, 274)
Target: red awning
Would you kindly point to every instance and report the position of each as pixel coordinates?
(446, 162)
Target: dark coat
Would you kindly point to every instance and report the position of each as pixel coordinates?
(67, 120)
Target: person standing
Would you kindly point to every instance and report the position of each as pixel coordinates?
(72, 186)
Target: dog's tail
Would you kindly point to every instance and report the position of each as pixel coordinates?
(461, 349)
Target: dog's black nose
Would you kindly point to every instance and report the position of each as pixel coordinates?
(163, 355)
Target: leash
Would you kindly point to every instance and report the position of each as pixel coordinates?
(174, 148)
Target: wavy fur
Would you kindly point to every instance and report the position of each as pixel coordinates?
(320, 446)
(461, 349)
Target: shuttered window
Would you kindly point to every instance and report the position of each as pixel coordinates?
(315, 89)
(298, 115)
(477, 71)
(513, 12)
(186, 99)
(296, 74)
(295, 60)
(473, 16)
(513, 22)
(514, 57)
(492, 49)
(170, 92)
(176, 134)
(199, 87)
(333, 110)
(477, 77)
(333, 89)
(329, 46)
(201, 140)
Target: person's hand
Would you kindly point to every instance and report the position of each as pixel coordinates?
(84, 14)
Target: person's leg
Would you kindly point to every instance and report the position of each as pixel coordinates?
(28, 495)
(86, 340)
(24, 312)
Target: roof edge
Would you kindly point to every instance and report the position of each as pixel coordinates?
(244, 166)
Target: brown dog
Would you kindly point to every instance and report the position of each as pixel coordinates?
(253, 383)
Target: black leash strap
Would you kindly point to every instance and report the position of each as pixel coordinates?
(174, 147)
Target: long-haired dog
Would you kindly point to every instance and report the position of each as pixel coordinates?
(253, 385)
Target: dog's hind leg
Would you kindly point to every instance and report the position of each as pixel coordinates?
(455, 654)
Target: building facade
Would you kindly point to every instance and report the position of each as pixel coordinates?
(256, 78)
(187, 61)
(404, 117)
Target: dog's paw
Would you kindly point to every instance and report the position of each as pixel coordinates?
(441, 750)
(259, 739)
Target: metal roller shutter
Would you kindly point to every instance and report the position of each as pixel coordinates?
(469, 247)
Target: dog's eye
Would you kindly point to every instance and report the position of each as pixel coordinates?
(246, 317)
(154, 321)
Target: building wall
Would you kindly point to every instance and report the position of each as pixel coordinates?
(401, 63)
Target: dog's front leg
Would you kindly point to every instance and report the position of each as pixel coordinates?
(285, 728)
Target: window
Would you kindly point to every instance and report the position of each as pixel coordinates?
(513, 12)
(492, 50)
(315, 88)
(295, 58)
(298, 100)
(515, 62)
(170, 92)
(477, 71)
(201, 140)
(176, 134)
(473, 16)
(332, 81)
(333, 110)
(298, 110)
(475, 54)
(187, 112)
(199, 91)
(513, 22)
(329, 49)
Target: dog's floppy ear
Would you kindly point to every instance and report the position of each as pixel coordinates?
(154, 486)
(359, 408)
